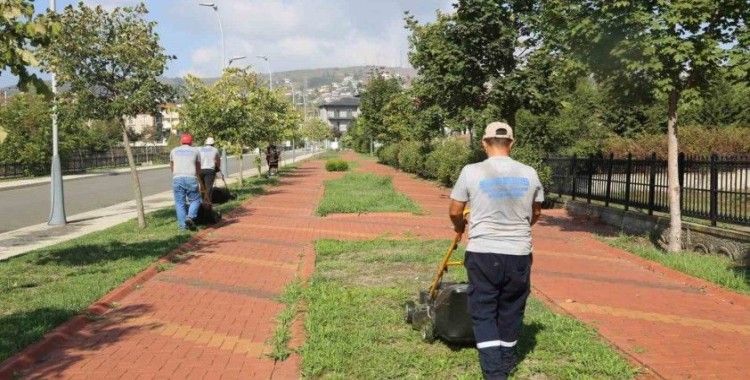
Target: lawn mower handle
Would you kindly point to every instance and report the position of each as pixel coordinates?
(444, 264)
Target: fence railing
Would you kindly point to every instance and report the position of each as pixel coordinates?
(712, 188)
(80, 163)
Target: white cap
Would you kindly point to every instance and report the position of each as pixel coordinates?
(210, 141)
(498, 130)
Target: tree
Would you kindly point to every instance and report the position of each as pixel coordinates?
(111, 61)
(666, 47)
(237, 112)
(22, 33)
(376, 95)
(315, 129)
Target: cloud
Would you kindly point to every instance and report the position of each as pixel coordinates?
(299, 34)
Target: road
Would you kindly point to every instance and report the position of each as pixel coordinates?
(30, 205)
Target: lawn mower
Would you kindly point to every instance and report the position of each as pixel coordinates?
(442, 311)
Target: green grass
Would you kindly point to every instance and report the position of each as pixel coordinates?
(280, 340)
(355, 326)
(716, 269)
(46, 287)
(363, 192)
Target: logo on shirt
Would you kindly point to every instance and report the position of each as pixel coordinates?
(505, 187)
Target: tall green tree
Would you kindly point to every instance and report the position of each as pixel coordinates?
(111, 62)
(667, 47)
(21, 34)
(376, 95)
(315, 129)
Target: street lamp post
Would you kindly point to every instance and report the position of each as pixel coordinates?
(224, 163)
(221, 29)
(268, 66)
(235, 59)
(57, 197)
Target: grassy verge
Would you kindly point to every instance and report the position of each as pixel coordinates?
(716, 269)
(46, 287)
(363, 192)
(280, 341)
(355, 327)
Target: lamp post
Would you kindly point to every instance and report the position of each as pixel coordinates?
(224, 163)
(221, 29)
(235, 59)
(268, 66)
(57, 197)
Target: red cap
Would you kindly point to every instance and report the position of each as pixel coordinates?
(186, 138)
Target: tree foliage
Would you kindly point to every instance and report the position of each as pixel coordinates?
(111, 62)
(22, 34)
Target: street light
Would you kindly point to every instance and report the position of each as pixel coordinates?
(57, 198)
(221, 29)
(233, 59)
(268, 66)
(224, 164)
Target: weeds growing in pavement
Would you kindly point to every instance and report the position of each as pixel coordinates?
(291, 299)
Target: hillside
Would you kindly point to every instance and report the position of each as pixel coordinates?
(322, 83)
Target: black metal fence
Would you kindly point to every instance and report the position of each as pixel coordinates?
(81, 163)
(712, 188)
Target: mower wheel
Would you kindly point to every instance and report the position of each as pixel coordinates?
(428, 332)
(409, 308)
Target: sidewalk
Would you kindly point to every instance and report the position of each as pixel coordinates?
(22, 240)
(213, 315)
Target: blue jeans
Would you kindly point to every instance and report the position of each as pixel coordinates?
(186, 188)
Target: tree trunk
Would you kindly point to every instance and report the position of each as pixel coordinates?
(136, 181)
(675, 215)
(242, 167)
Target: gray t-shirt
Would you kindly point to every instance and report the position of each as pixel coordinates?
(184, 158)
(501, 193)
(208, 157)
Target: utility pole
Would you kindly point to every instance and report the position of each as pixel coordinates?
(57, 196)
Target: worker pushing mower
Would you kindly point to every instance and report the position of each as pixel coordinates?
(505, 198)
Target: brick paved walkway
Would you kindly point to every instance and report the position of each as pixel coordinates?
(211, 316)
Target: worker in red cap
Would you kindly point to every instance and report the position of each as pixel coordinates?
(185, 162)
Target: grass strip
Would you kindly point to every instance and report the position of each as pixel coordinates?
(46, 287)
(364, 192)
(283, 334)
(356, 330)
(719, 270)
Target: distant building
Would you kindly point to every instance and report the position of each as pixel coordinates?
(155, 129)
(340, 113)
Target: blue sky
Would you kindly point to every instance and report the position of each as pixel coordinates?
(295, 34)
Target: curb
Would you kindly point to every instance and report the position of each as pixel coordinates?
(10, 368)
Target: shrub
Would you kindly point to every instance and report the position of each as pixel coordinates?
(388, 155)
(411, 157)
(694, 141)
(533, 157)
(337, 165)
(446, 160)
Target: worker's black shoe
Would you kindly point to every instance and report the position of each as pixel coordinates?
(509, 359)
(190, 224)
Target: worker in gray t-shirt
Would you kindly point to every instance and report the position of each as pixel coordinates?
(186, 165)
(505, 197)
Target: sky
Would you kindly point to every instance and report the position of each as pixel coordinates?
(294, 34)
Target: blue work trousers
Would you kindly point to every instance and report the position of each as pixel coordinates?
(187, 199)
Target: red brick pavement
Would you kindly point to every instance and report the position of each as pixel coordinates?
(211, 316)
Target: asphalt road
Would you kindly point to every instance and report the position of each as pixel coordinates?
(30, 205)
